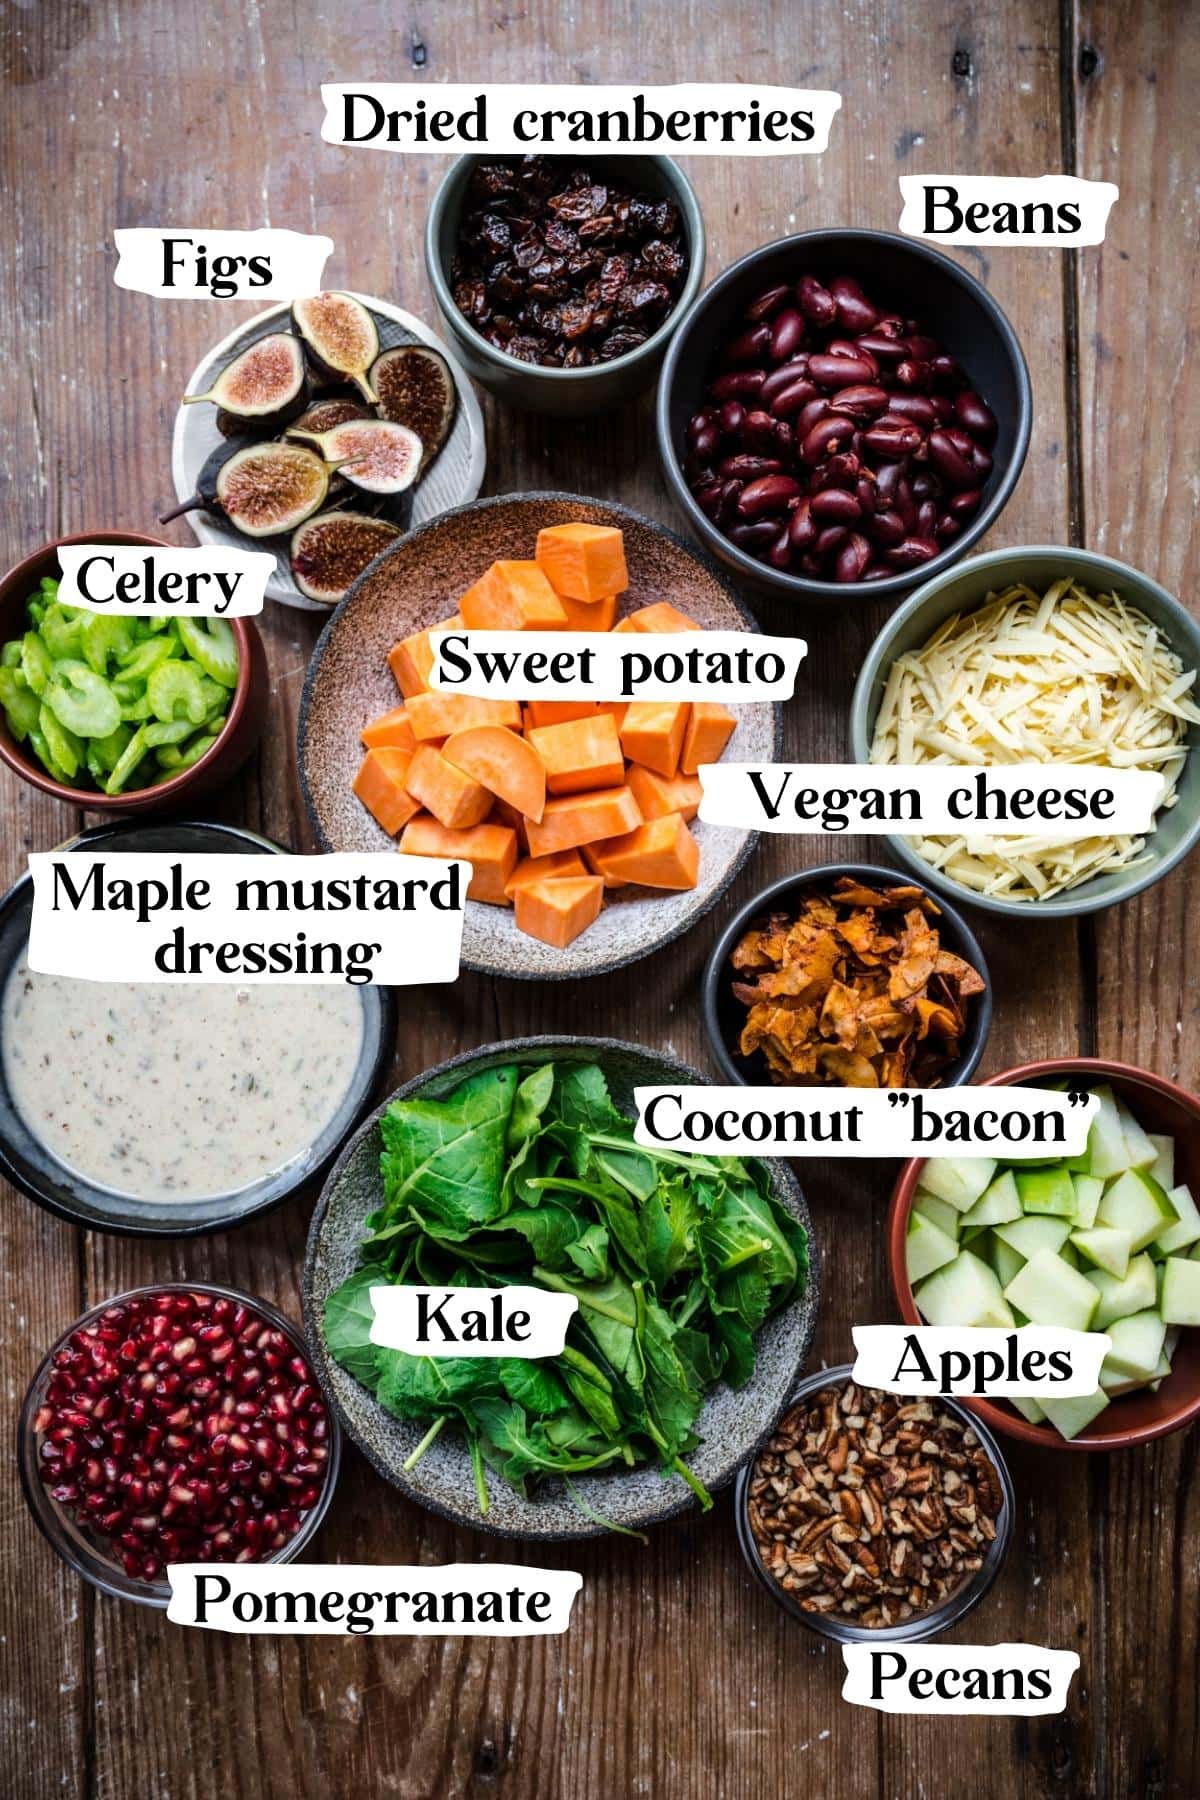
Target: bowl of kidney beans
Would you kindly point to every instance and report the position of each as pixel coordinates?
(176, 1424)
(841, 410)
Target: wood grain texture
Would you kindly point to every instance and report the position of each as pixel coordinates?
(677, 1676)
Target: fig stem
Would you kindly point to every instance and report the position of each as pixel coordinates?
(185, 506)
(191, 399)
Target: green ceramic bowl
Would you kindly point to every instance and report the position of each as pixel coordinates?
(965, 587)
(566, 393)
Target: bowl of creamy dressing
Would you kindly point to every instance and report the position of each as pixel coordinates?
(175, 1108)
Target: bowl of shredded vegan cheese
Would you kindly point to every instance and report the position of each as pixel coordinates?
(1048, 655)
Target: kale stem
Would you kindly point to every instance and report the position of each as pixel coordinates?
(412, 1461)
(694, 1482)
(755, 1247)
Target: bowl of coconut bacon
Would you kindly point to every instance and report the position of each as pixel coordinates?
(1042, 654)
(162, 1108)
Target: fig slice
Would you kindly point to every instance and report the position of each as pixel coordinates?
(262, 489)
(332, 550)
(373, 454)
(414, 387)
(264, 380)
(330, 410)
(341, 336)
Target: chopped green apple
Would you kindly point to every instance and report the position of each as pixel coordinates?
(1143, 1152)
(1163, 1166)
(1135, 1203)
(999, 1203)
(1071, 1415)
(1051, 1292)
(926, 1248)
(1181, 1291)
(1119, 1298)
(1088, 1192)
(1046, 1191)
(1135, 1345)
(1004, 1259)
(1028, 1409)
(1186, 1229)
(958, 1180)
(1028, 1236)
(943, 1216)
(1107, 1153)
(1106, 1247)
(964, 1292)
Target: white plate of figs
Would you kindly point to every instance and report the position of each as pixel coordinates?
(323, 432)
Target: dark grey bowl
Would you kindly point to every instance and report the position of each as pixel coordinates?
(920, 282)
(730, 1423)
(565, 393)
(928, 1625)
(724, 1015)
(962, 590)
(39, 1175)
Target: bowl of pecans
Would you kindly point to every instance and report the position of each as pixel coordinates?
(872, 1517)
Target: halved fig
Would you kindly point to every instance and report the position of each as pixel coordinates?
(330, 410)
(341, 336)
(415, 388)
(373, 454)
(332, 550)
(266, 379)
(262, 489)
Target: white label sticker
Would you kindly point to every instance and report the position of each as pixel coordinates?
(979, 1360)
(512, 118)
(512, 1321)
(1006, 211)
(727, 666)
(205, 581)
(1023, 1122)
(1022, 1679)
(152, 916)
(1049, 802)
(189, 263)
(335, 1599)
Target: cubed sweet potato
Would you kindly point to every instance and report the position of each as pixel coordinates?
(391, 731)
(580, 754)
(576, 819)
(652, 733)
(540, 868)
(455, 799)
(512, 596)
(583, 562)
(412, 658)
(661, 853)
(505, 764)
(657, 796)
(662, 616)
(490, 849)
(557, 911)
(590, 615)
(382, 786)
(438, 715)
(557, 712)
(709, 729)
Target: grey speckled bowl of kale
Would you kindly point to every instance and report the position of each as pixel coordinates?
(696, 1277)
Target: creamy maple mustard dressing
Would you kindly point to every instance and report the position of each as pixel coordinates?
(176, 1092)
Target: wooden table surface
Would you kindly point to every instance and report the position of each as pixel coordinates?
(677, 1677)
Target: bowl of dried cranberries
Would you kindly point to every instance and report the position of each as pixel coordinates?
(176, 1424)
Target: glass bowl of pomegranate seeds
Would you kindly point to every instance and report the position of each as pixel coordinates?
(843, 412)
(176, 1424)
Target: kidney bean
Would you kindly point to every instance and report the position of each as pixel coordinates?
(749, 346)
(769, 494)
(975, 415)
(780, 553)
(877, 572)
(854, 311)
(927, 518)
(802, 527)
(949, 461)
(787, 335)
(809, 565)
(841, 371)
(864, 489)
(905, 505)
(841, 471)
(923, 348)
(946, 528)
(788, 400)
(706, 443)
(885, 349)
(785, 438)
(848, 347)
(830, 540)
(925, 485)
(943, 406)
(826, 435)
(918, 409)
(708, 497)
(912, 553)
(745, 467)
(946, 372)
(754, 535)
(965, 504)
(758, 433)
(887, 481)
(892, 437)
(981, 462)
(737, 384)
(887, 528)
(809, 413)
(815, 302)
(962, 440)
(730, 494)
(698, 423)
(853, 557)
(835, 506)
(732, 417)
(862, 401)
(766, 303)
(913, 374)
(783, 377)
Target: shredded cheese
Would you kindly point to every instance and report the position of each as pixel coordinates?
(1066, 676)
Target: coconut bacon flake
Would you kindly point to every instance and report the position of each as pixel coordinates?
(1066, 677)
